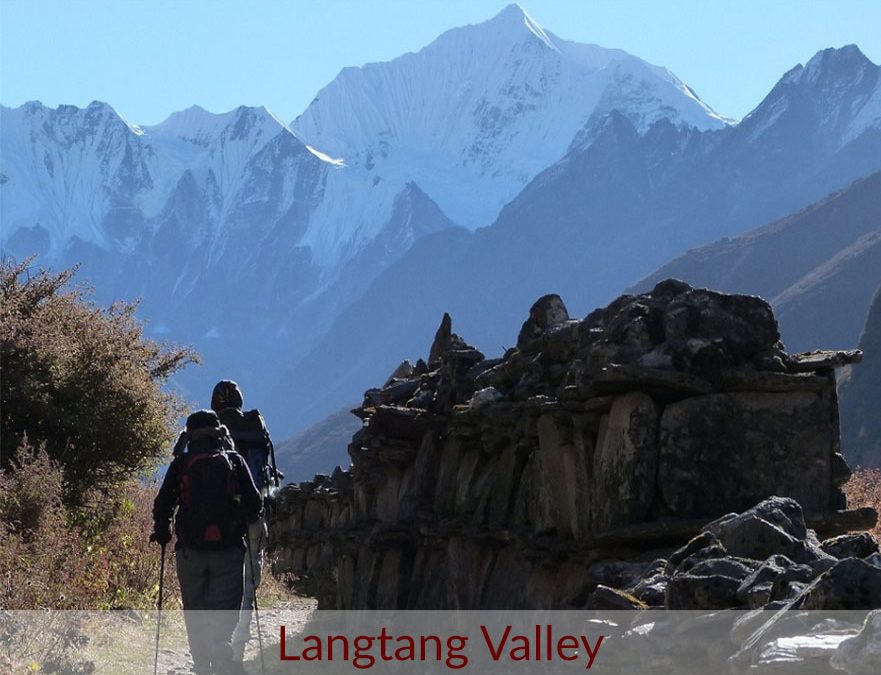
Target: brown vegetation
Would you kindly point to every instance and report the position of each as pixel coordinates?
(864, 489)
(95, 556)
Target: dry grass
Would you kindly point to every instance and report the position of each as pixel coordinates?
(864, 489)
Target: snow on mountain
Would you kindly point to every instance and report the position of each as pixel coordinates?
(470, 119)
(479, 112)
(91, 176)
(283, 227)
(67, 172)
(817, 89)
(620, 203)
(216, 147)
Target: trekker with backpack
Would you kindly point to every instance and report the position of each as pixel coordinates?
(215, 497)
(252, 441)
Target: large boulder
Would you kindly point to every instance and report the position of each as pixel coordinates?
(708, 444)
(548, 311)
(853, 545)
(750, 536)
(757, 588)
(692, 591)
(850, 584)
(717, 330)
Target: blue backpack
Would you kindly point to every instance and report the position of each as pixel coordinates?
(252, 442)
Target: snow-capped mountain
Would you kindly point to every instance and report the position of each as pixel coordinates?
(215, 148)
(91, 176)
(200, 204)
(67, 172)
(469, 120)
(475, 115)
(619, 204)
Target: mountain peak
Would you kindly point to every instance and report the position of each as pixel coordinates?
(840, 87)
(514, 19)
(849, 55)
(844, 63)
(94, 115)
(196, 123)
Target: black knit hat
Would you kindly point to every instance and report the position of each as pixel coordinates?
(226, 394)
(202, 419)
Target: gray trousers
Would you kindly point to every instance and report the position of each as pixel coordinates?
(211, 580)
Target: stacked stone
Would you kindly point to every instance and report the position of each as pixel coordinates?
(527, 480)
(764, 558)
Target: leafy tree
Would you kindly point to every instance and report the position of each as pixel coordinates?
(81, 381)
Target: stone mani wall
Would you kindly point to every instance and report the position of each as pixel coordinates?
(526, 481)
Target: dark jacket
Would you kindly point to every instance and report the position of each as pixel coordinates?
(168, 498)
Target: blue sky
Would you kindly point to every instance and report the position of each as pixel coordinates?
(150, 58)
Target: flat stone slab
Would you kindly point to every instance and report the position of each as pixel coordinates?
(617, 378)
(823, 360)
(735, 380)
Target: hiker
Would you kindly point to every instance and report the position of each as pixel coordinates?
(215, 497)
(252, 441)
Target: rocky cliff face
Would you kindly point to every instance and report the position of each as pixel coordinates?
(529, 480)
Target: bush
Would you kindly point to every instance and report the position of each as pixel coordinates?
(42, 555)
(96, 556)
(81, 381)
(864, 489)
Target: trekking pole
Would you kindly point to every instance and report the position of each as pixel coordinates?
(256, 611)
(159, 605)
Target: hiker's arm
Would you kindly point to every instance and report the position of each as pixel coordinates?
(163, 505)
(180, 445)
